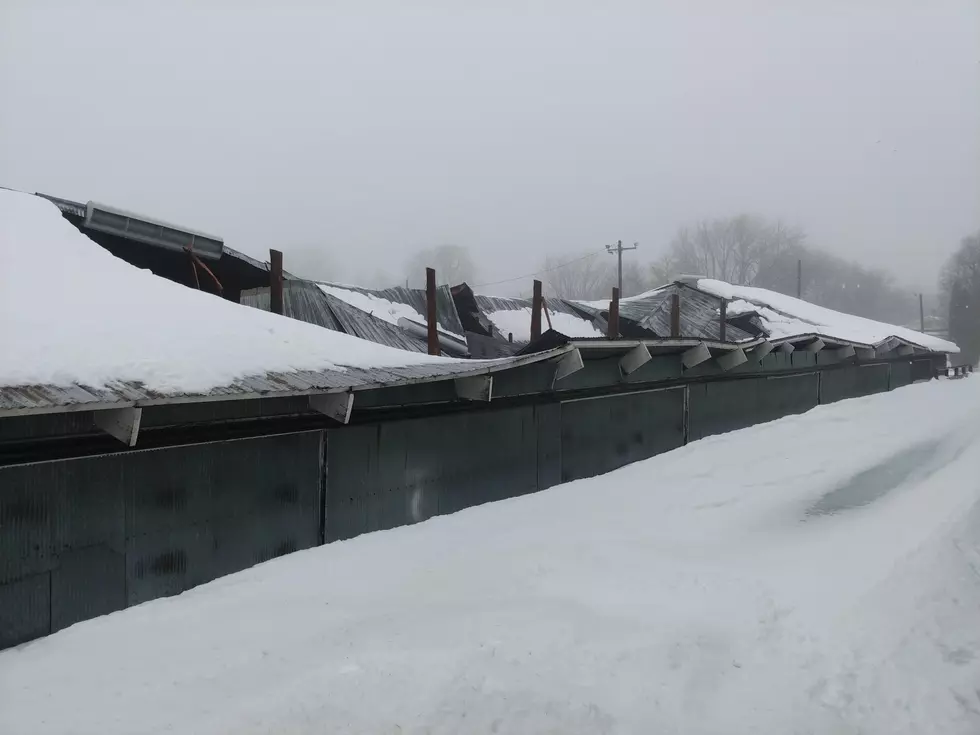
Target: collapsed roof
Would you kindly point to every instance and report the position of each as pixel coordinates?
(112, 335)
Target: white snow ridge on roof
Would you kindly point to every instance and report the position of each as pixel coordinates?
(96, 320)
(784, 316)
(518, 323)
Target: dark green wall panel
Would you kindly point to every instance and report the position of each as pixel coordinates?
(717, 407)
(901, 374)
(852, 382)
(601, 434)
(402, 472)
(84, 537)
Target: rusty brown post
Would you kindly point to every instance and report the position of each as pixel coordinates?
(431, 322)
(536, 312)
(275, 281)
(723, 321)
(675, 315)
(612, 327)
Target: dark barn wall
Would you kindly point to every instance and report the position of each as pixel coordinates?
(901, 374)
(717, 407)
(601, 434)
(853, 382)
(85, 537)
(402, 472)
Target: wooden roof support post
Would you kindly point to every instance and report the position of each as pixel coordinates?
(723, 321)
(675, 315)
(275, 281)
(536, 312)
(547, 314)
(612, 327)
(431, 319)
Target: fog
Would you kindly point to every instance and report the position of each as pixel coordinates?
(351, 135)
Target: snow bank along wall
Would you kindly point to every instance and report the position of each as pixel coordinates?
(87, 528)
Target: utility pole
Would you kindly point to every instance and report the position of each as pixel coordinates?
(922, 316)
(618, 249)
(799, 278)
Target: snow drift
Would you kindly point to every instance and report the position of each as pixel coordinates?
(818, 574)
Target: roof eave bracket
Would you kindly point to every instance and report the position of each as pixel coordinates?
(475, 388)
(337, 406)
(121, 423)
(634, 359)
(732, 359)
(757, 353)
(570, 362)
(695, 356)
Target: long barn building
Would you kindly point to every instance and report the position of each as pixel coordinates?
(153, 437)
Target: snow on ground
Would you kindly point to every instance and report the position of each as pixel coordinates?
(390, 311)
(785, 316)
(817, 574)
(93, 319)
(518, 323)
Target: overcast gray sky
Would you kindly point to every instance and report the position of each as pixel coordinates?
(365, 130)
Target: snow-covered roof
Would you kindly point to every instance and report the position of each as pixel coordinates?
(107, 331)
(785, 317)
(513, 316)
(394, 304)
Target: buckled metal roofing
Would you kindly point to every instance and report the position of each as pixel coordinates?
(307, 302)
(33, 399)
(447, 318)
(648, 315)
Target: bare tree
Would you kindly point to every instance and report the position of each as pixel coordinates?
(960, 285)
(584, 277)
(735, 249)
(751, 251)
(453, 265)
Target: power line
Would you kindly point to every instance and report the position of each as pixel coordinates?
(617, 250)
(538, 273)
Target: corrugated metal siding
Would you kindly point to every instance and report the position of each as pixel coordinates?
(718, 407)
(25, 609)
(602, 434)
(901, 374)
(547, 418)
(85, 537)
(925, 369)
(403, 472)
(853, 382)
